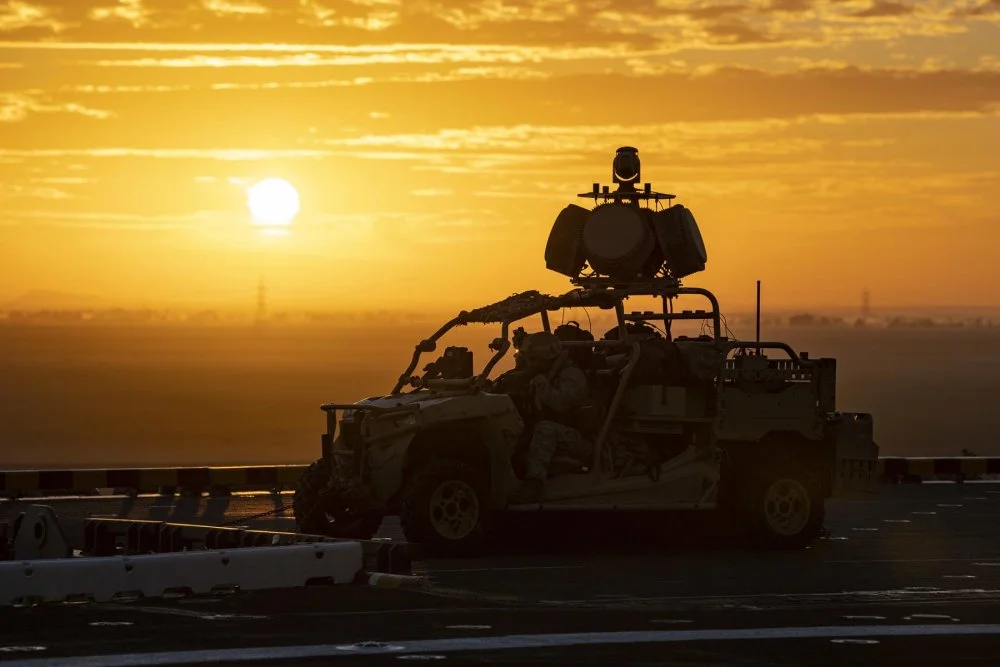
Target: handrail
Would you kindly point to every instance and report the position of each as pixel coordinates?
(426, 345)
(612, 295)
(484, 375)
(770, 345)
(716, 316)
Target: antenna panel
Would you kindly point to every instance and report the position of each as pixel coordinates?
(680, 240)
(564, 252)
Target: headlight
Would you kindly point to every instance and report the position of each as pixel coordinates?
(406, 421)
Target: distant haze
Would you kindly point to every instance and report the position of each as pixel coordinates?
(54, 300)
(125, 395)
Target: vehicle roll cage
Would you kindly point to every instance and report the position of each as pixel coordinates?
(593, 292)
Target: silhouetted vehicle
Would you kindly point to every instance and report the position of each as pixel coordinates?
(687, 423)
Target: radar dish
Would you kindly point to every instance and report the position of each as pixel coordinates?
(564, 251)
(680, 240)
(618, 240)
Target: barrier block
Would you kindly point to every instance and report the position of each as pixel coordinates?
(103, 579)
(916, 468)
(107, 536)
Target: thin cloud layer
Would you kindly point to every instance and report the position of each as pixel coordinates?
(664, 26)
(435, 137)
(17, 107)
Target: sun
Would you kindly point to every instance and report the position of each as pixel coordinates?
(273, 202)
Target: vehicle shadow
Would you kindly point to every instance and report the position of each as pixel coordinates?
(610, 532)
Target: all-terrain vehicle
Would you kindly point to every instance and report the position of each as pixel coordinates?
(700, 422)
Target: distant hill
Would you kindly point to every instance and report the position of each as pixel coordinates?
(54, 300)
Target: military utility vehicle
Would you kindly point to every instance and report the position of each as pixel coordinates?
(705, 422)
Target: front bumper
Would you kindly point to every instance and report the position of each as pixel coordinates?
(856, 463)
(344, 453)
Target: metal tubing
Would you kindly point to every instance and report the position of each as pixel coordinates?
(505, 336)
(418, 351)
(613, 408)
(620, 312)
(773, 346)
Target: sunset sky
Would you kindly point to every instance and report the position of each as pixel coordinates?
(824, 146)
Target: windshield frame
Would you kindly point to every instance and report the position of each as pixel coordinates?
(599, 294)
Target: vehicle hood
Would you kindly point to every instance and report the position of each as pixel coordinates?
(425, 398)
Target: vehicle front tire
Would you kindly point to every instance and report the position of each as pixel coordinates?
(444, 508)
(319, 510)
(784, 508)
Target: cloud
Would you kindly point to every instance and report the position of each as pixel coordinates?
(557, 138)
(374, 15)
(637, 26)
(16, 107)
(740, 33)
(475, 15)
(645, 67)
(982, 9)
(433, 192)
(885, 8)
(198, 113)
(717, 11)
(231, 154)
(725, 94)
(315, 60)
(10, 191)
(720, 151)
(493, 146)
(132, 12)
(790, 6)
(63, 180)
(108, 220)
(234, 7)
(19, 15)
(990, 63)
(458, 74)
(89, 88)
(342, 22)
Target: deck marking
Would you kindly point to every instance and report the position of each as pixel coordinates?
(190, 613)
(910, 560)
(504, 642)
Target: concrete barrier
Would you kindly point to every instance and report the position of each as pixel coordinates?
(904, 469)
(104, 536)
(105, 579)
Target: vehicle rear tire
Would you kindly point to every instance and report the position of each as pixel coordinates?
(783, 508)
(319, 510)
(444, 508)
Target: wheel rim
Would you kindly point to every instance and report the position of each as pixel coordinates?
(787, 507)
(454, 509)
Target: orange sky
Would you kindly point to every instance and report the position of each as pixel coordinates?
(824, 146)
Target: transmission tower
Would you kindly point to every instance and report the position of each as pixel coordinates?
(261, 316)
(865, 304)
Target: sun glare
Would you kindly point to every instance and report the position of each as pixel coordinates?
(273, 202)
